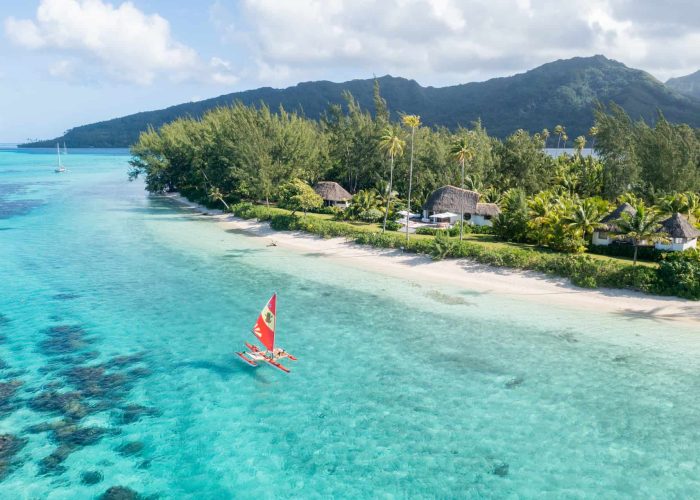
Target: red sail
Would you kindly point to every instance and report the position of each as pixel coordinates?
(264, 327)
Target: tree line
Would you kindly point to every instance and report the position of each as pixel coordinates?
(247, 153)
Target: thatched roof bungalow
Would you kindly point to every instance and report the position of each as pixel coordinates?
(602, 236)
(333, 194)
(453, 200)
(681, 233)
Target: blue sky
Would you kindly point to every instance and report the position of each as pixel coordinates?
(65, 63)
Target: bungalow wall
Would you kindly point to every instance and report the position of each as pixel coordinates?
(481, 220)
(677, 244)
(601, 238)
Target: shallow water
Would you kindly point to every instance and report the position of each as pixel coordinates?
(402, 389)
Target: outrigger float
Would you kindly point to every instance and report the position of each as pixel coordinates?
(264, 330)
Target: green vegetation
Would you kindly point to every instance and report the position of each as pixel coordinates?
(583, 270)
(563, 91)
(243, 157)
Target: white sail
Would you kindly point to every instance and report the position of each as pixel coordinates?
(59, 167)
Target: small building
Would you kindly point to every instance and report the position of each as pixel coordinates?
(450, 199)
(681, 233)
(333, 194)
(444, 218)
(485, 212)
(604, 236)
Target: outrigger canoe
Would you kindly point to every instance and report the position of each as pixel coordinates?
(264, 330)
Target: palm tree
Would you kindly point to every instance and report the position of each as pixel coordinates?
(559, 130)
(540, 208)
(693, 200)
(584, 218)
(216, 195)
(593, 132)
(412, 121)
(363, 200)
(675, 203)
(491, 195)
(392, 144)
(579, 144)
(643, 226)
(462, 152)
(545, 135)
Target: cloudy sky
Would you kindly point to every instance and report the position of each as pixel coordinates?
(69, 62)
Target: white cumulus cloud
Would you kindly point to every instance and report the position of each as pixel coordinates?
(121, 40)
(442, 41)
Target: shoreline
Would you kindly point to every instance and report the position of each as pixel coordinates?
(526, 285)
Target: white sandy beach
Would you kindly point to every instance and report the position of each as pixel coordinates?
(477, 277)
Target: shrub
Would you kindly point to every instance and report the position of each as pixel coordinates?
(679, 274)
(625, 250)
(371, 215)
(392, 225)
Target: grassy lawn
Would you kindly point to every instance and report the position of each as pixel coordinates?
(486, 240)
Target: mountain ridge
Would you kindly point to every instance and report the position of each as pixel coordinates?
(563, 91)
(688, 85)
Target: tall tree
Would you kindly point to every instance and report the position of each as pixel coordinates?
(579, 144)
(593, 132)
(413, 122)
(643, 226)
(585, 218)
(393, 145)
(545, 136)
(463, 152)
(617, 148)
(559, 131)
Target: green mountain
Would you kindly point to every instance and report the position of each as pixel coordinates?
(560, 92)
(687, 85)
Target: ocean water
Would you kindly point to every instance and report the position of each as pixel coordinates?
(120, 314)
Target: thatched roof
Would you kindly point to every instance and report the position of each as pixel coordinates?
(331, 191)
(678, 226)
(608, 221)
(452, 199)
(488, 209)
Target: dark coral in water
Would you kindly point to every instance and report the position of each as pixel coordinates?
(52, 464)
(91, 477)
(124, 361)
(500, 469)
(69, 404)
(69, 437)
(66, 296)
(8, 401)
(63, 339)
(131, 448)
(120, 493)
(9, 447)
(133, 413)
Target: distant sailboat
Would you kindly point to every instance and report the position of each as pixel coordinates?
(264, 330)
(60, 168)
(65, 149)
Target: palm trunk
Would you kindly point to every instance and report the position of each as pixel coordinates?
(634, 261)
(461, 207)
(410, 181)
(558, 141)
(388, 197)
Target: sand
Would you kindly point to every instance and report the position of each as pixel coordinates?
(526, 285)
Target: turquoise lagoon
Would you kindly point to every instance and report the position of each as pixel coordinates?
(121, 312)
